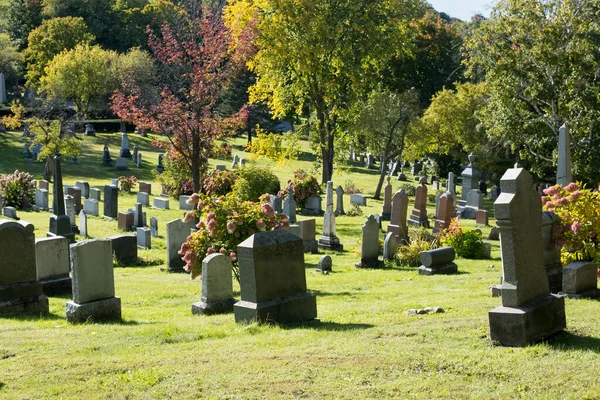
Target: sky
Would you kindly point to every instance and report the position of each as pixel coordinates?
(463, 9)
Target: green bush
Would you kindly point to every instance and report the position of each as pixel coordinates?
(219, 183)
(409, 188)
(253, 182)
(419, 241)
(466, 244)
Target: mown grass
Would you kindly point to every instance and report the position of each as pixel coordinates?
(362, 346)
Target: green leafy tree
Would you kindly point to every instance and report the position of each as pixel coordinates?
(49, 39)
(48, 133)
(11, 60)
(86, 75)
(383, 122)
(541, 60)
(22, 17)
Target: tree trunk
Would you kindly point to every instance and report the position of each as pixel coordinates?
(195, 161)
(382, 174)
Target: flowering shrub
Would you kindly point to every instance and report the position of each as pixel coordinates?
(219, 183)
(224, 223)
(15, 186)
(303, 186)
(126, 183)
(579, 212)
(466, 244)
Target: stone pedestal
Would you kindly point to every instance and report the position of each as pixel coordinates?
(100, 310)
(438, 261)
(580, 279)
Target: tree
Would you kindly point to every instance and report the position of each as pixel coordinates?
(48, 40)
(23, 16)
(318, 56)
(195, 62)
(86, 74)
(541, 62)
(383, 121)
(11, 60)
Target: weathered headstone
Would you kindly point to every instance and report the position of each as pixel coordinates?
(386, 212)
(10, 212)
(369, 249)
(339, 205)
(325, 263)
(143, 198)
(125, 221)
(277, 203)
(329, 239)
(60, 224)
(52, 264)
(474, 201)
(470, 177)
(418, 217)
(41, 199)
(160, 167)
(138, 161)
(144, 238)
(183, 205)
(146, 187)
(75, 192)
(177, 233)
(138, 216)
(289, 206)
(124, 248)
(84, 187)
(494, 234)
(114, 182)
(95, 194)
(563, 171)
(135, 153)
(312, 206)
(493, 193)
(161, 203)
(83, 224)
(306, 229)
(397, 224)
(580, 279)
(91, 207)
(89, 130)
(481, 218)
(438, 261)
(273, 280)
(93, 283)
(106, 159)
(529, 312)
(445, 212)
(44, 184)
(121, 164)
(551, 251)
(111, 201)
(236, 160)
(154, 227)
(125, 153)
(70, 211)
(358, 199)
(220, 167)
(217, 287)
(390, 246)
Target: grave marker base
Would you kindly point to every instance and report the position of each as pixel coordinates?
(215, 307)
(57, 286)
(299, 308)
(443, 269)
(369, 264)
(520, 326)
(23, 297)
(330, 243)
(101, 310)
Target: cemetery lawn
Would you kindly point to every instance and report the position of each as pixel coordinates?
(363, 344)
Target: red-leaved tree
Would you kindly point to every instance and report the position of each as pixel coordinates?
(195, 65)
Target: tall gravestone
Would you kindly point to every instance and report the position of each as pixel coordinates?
(397, 224)
(418, 217)
(52, 264)
(551, 251)
(369, 247)
(177, 233)
(83, 224)
(125, 153)
(529, 312)
(474, 202)
(329, 239)
(93, 283)
(60, 225)
(217, 286)
(273, 280)
(41, 199)
(106, 159)
(111, 201)
(339, 205)
(445, 212)
(20, 290)
(154, 227)
(289, 206)
(470, 176)
(563, 172)
(386, 212)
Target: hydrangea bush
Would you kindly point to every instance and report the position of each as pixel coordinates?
(303, 187)
(14, 187)
(224, 223)
(219, 183)
(579, 212)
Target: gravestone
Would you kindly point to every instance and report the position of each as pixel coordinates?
(580, 279)
(329, 239)
(390, 246)
(551, 252)
(273, 279)
(397, 224)
(144, 238)
(138, 162)
(369, 248)
(75, 192)
(84, 187)
(2, 88)
(124, 248)
(60, 224)
(563, 171)
(134, 157)
(470, 179)
(70, 211)
(324, 265)
(143, 198)
(93, 283)
(493, 192)
(161, 203)
(438, 261)
(138, 216)
(220, 167)
(236, 160)
(418, 217)
(435, 186)
(289, 206)
(529, 312)
(481, 218)
(91, 207)
(445, 212)
(306, 230)
(41, 199)
(20, 290)
(160, 167)
(114, 182)
(276, 203)
(52, 265)
(416, 168)
(125, 221)
(483, 187)
(183, 205)
(474, 201)
(146, 187)
(154, 227)
(386, 212)
(83, 224)
(121, 164)
(217, 287)
(242, 162)
(106, 159)
(111, 201)
(451, 185)
(177, 233)
(89, 130)
(312, 206)
(44, 184)
(339, 205)
(95, 194)
(125, 153)
(358, 199)
(10, 212)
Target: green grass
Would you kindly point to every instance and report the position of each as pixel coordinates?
(363, 345)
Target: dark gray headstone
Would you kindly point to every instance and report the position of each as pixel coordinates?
(111, 201)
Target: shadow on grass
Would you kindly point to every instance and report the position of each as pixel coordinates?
(306, 156)
(32, 316)
(566, 341)
(140, 263)
(321, 293)
(327, 326)
(1, 385)
(362, 170)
